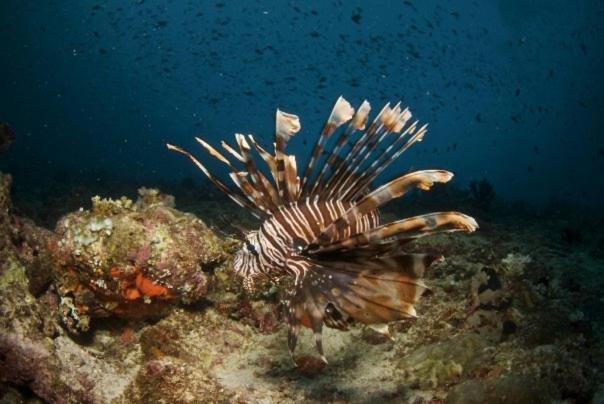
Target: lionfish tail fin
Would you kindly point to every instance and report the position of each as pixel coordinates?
(372, 291)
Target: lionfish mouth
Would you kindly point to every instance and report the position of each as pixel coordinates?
(321, 235)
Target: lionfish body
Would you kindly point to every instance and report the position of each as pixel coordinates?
(321, 236)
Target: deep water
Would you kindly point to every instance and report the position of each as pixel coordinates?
(513, 93)
(512, 90)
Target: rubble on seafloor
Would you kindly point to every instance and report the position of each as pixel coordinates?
(512, 319)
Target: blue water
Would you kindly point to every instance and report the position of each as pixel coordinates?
(512, 89)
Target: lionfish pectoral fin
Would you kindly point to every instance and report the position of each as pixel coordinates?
(400, 231)
(380, 196)
(373, 291)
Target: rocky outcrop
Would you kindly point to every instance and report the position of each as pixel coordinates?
(131, 259)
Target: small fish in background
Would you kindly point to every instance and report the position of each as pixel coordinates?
(321, 238)
(7, 136)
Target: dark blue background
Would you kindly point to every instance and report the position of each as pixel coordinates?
(512, 89)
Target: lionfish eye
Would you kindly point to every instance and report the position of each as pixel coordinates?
(298, 244)
(251, 248)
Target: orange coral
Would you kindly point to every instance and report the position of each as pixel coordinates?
(134, 289)
(132, 294)
(148, 288)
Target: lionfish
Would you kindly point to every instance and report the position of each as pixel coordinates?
(321, 237)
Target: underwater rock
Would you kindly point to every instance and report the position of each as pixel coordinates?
(5, 219)
(514, 264)
(131, 259)
(510, 389)
(152, 196)
(33, 244)
(510, 322)
(34, 354)
(172, 380)
(8, 222)
(62, 372)
(257, 314)
(486, 290)
(433, 365)
(5, 187)
(22, 239)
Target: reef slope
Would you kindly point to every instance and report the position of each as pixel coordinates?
(507, 322)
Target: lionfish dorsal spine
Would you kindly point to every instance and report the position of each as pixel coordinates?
(341, 113)
(347, 165)
(229, 192)
(357, 122)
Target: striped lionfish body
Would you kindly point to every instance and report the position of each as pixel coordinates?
(321, 236)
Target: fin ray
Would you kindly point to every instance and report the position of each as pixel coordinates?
(391, 190)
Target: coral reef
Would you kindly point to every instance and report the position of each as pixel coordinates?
(130, 258)
(514, 264)
(22, 240)
(506, 322)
